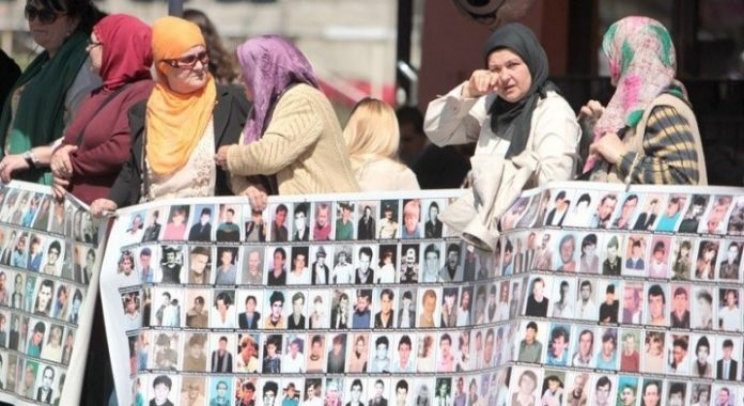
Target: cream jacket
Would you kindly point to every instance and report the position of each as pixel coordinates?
(303, 145)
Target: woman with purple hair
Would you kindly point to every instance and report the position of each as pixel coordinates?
(292, 131)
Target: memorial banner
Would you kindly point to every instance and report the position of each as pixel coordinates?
(596, 295)
(50, 254)
(318, 300)
(620, 297)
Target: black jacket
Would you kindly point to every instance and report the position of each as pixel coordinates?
(230, 115)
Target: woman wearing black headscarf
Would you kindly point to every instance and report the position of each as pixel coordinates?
(525, 131)
(509, 107)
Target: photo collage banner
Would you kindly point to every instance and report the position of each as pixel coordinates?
(619, 297)
(328, 300)
(49, 266)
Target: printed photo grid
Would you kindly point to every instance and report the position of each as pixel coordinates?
(49, 253)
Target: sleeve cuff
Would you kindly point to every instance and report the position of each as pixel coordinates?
(626, 161)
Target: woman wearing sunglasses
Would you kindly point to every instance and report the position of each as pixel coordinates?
(293, 131)
(47, 95)
(177, 130)
(96, 144)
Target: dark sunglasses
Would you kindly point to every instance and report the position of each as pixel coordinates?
(44, 15)
(189, 61)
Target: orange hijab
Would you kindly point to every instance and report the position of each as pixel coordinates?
(175, 121)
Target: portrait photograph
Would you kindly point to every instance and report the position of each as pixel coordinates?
(558, 208)
(729, 310)
(532, 339)
(716, 217)
(423, 391)
(167, 347)
(406, 310)
(384, 306)
(280, 222)
(301, 222)
(220, 352)
(170, 269)
(345, 221)
(197, 305)
(591, 249)
(195, 352)
(336, 347)
(131, 307)
(681, 258)
(193, 391)
(163, 389)
(321, 264)
(627, 391)
(603, 389)
(341, 308)
(580, 213)
(343, 268)
(626, 211)
(296, 309)
(361, 351)
(651, 207)
(524, 389)
(735, 226)
(587, 305)
(583, 348)
(177, 223)
(322, 221)
(630, 349)
(602, 216)
(291, 391)
(679, 315)
(223, 309)
(135, 228)
(277, 264)
(433, 262)
(429, 300)
(707, 255)
(166, 307)
(200, 265)
(318, 309)
(514, 214)
(725, 394)
(563, 292)
(255, 224)
(388, 224)
(293, 356)
(654, 360)
(636, 255)
(433, 226)
(657, 304)
(387, 264)
(365, 261)
(227, 261)
(313, 391)
(567, 247)
(678, 354)
(202, 223)
(47, 389)
(658, 260)
(692, 216)
(248, 353)
(380, 347)
(253, 266)
(227, 229)
(552, 390)
(367, 214)
(409, 268)
(700, 394)
(703, 311)
(298, 273)
(729, 261)
(316, 355)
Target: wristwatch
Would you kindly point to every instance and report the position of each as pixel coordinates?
(30, 159)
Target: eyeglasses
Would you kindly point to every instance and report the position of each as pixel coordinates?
(92, 44)
(45, 16)
(188, 61)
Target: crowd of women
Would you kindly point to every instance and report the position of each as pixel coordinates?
(118, 112)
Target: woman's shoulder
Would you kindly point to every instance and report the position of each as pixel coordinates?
(386, 174)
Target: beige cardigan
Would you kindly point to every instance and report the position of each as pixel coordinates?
(302, 145)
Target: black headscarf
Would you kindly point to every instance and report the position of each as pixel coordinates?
(522, 41)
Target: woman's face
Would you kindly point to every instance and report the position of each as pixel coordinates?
(702, 354)
(514, 78)
(190, 72)
(95, 52)
(51, 35)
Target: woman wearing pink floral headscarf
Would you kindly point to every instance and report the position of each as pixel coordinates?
(648, 133)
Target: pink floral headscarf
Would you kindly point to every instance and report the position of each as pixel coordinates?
(642, 66)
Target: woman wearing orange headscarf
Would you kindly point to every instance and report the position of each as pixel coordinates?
(178, 129)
